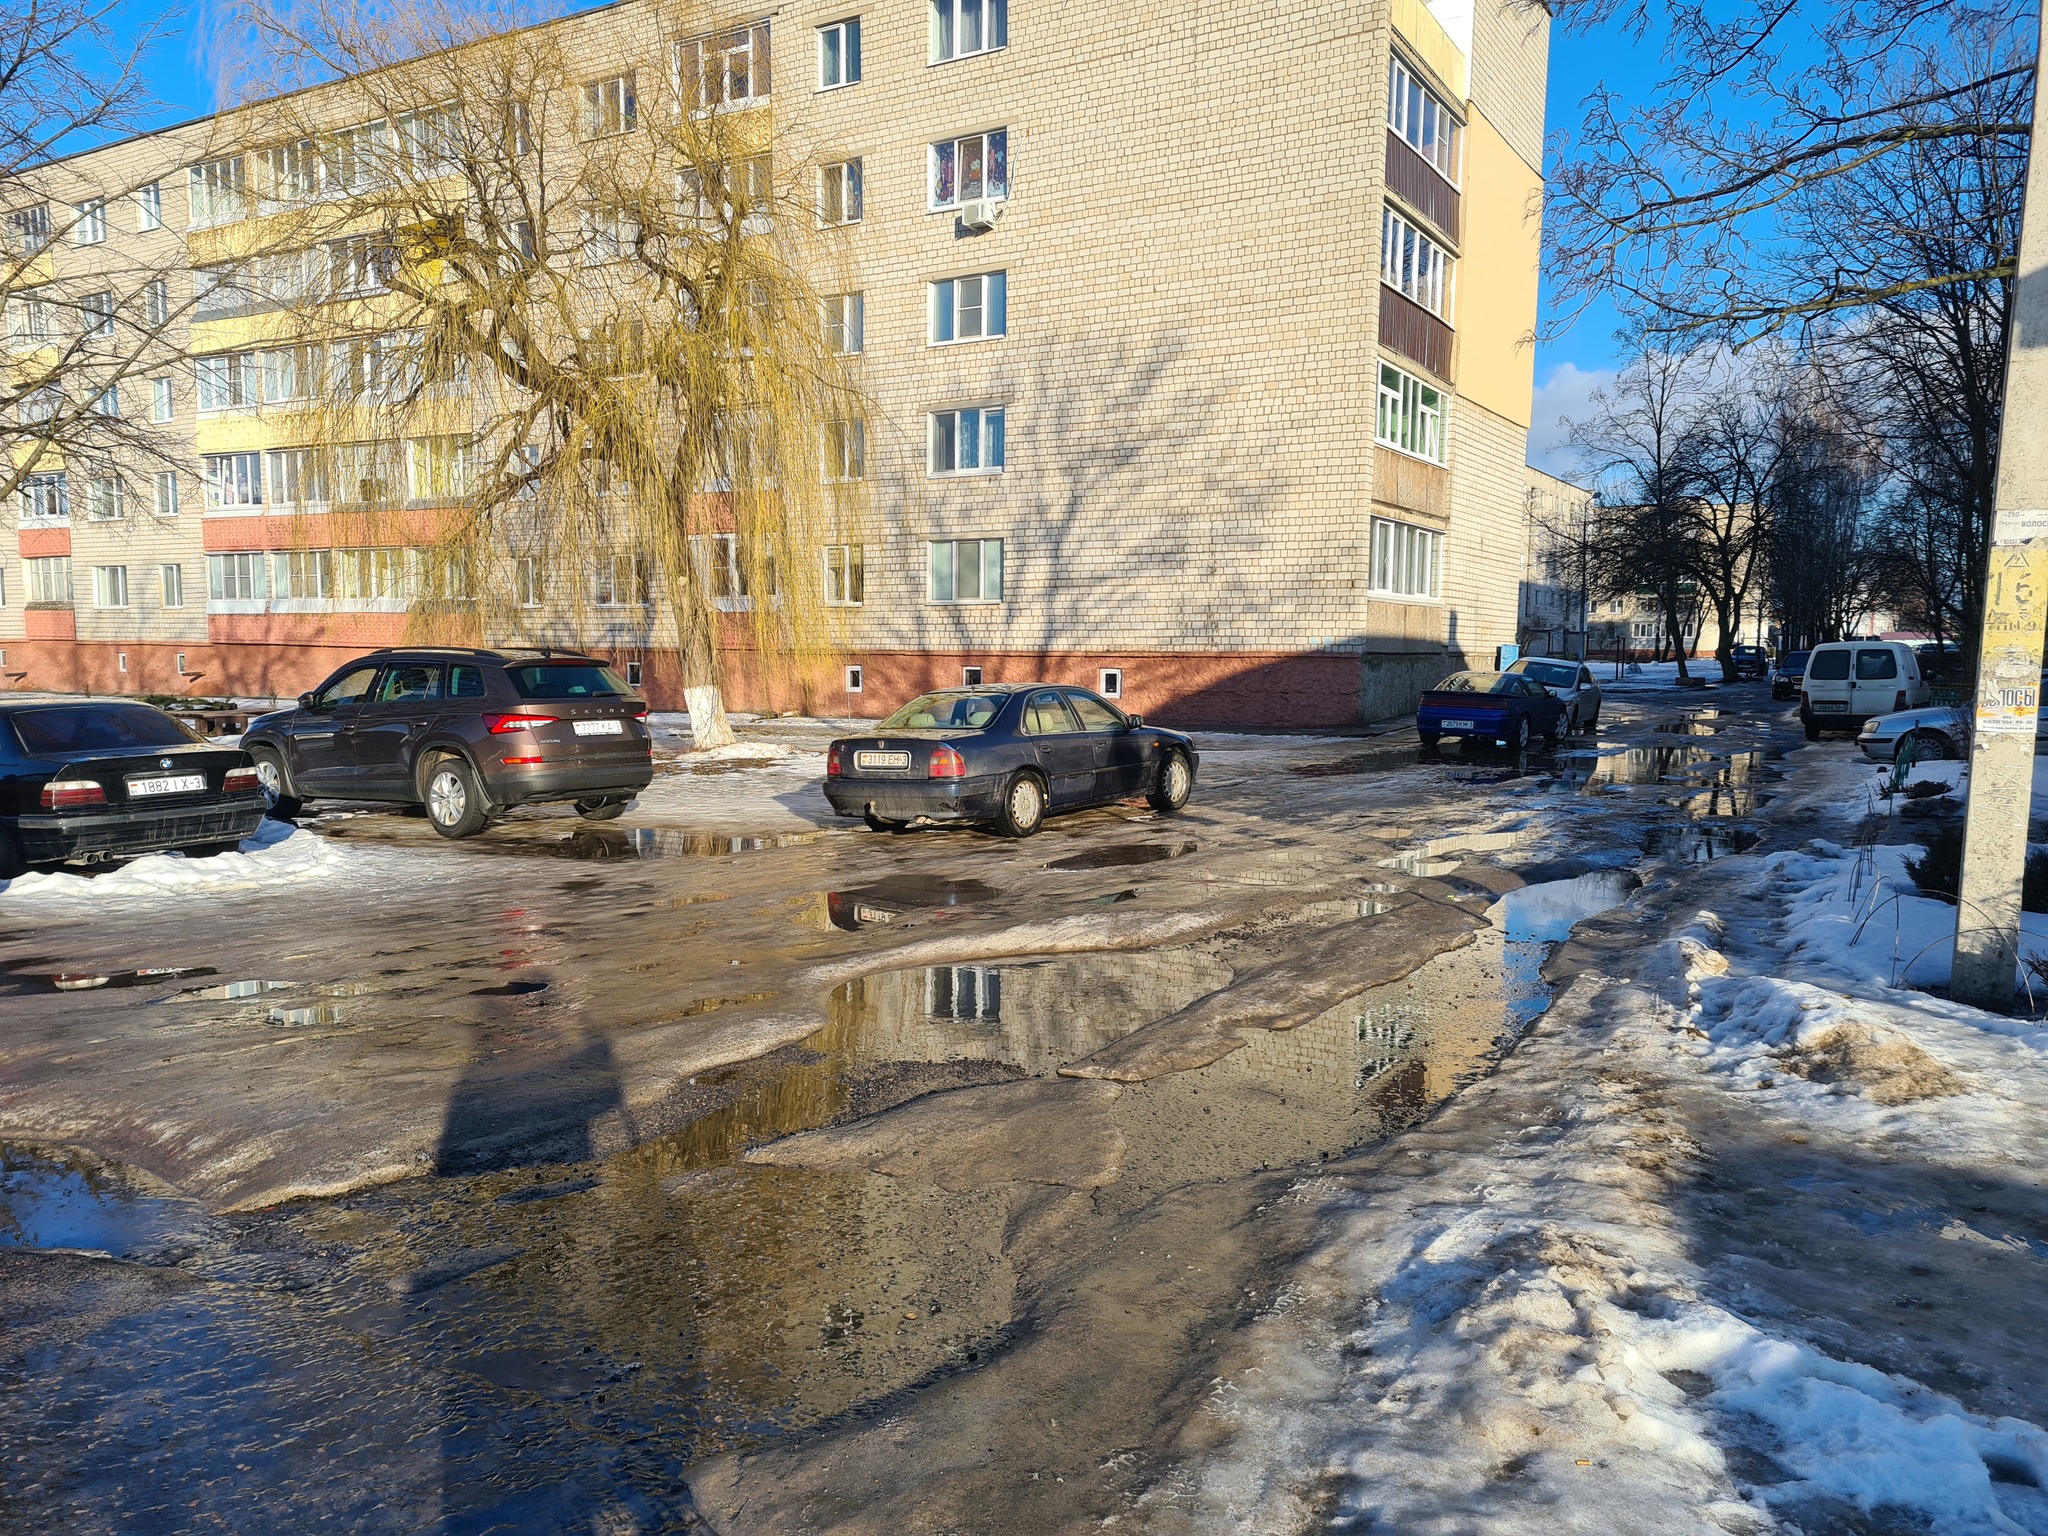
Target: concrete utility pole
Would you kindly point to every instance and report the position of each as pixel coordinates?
(2015, 615)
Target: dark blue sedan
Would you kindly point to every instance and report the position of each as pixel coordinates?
(1010, 755)
(1505, 708)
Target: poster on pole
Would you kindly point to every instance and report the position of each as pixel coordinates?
(2009, 672)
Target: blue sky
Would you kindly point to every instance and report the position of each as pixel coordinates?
(1568, 368)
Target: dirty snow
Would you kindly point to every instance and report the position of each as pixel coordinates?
(278, 854)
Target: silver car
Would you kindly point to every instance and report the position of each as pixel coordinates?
(1569, 681)
(1938, 732)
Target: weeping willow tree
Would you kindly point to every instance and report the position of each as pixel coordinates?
(550, 314)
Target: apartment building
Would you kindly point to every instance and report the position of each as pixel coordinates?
(1196, 347)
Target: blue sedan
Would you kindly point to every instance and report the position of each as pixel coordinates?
(1505, 708)
(1010, 755)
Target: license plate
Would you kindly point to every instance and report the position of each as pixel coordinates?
(881, 759)
(873, 915)
(1830, 707)
(1459, 725)
(167, 784)
(600, 728)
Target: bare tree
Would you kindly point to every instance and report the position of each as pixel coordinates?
(1730, 454)
(85, 316)
(566, 324)
(1824, 548)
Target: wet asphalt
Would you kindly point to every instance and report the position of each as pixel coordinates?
(615, 1178)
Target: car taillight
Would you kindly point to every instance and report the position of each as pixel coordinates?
(1900, 701)
(833, 767)
(1804, 701)
(640, 715)
(240, 780)
(517, 761)
(63, 794)
(948, 764)
(499, 725)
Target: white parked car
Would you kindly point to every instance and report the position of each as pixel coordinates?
(1570, 681)
(1848, 682)
(1940, 732)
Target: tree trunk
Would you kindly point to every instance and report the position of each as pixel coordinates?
(709, 726)
(1674, 626)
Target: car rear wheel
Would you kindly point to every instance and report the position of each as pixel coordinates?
(1812, 730)
(1430, 739)
(278, 800)
(208, 850)
(882, 823)
(454, 799)
(603, 808)
(1023, 807)
(1518, 738)
(1924, 747)
(1176, 783)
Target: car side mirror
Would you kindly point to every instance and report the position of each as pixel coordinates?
(1134, 721)
(307, 701)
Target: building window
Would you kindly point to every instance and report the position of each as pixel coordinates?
(28, 319)
(38, 406)
(90, 226)
(358, 265)
(963, 992)
(3, 604)
(839, 54)
(609, 234)
(167, 493)
(96, 314)
(375, 575)
(110, 586)
(1111, 683)
(234, 578)
(970, 308)
(149, 207)
(44, 498)
(1414, 265)
(854, 679)
(108, 401)
(172, 579)
(975, 166)
(290, 373)
(729, 70)
(161, 404)
(967, 441)
(970, 677)
(526, 581)
(846, 323)
(845, 575)
(228, 382)
(106, 499)
(233, 480)
(966, 571)
(28, 230)
(219, 292)
(303, 575)
(48, 581)
(1415, 113)
(298, 476)
(620, 581)
(1411, 415)
(963, 27)
(182, 668)
(156, 304)
(610, 107)
(846, 450)
(437, 468)
(839, 193)
(218, 191)
(1407, 561)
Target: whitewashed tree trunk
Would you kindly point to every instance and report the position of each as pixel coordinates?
(708, 725)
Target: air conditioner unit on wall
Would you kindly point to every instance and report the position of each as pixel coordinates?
(981, 212)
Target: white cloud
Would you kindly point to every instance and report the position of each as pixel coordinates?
(1562, 398)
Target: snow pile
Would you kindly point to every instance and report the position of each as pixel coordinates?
(278, 854)
(738, 752)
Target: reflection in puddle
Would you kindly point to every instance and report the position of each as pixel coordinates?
(1123, 855)
(1441, 855)
(71, 1200)
(1700, 842)
(229, 991)
(26, 982)
(592, 844)
(1537, 916)
(900, 897)
(316, 1013)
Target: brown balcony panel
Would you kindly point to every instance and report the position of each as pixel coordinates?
(1409, 329)
(1415, 181)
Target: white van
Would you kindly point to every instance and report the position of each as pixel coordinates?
(1850, 681)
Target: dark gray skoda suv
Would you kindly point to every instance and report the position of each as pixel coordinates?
(466, 733)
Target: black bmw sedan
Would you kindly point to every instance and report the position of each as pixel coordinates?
(90, 780)
(1010, 755)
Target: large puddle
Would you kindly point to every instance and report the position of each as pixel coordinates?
(516, 1348)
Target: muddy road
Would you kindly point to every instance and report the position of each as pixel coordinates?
(729, 1169)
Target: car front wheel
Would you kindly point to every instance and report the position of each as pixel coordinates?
(1023, 807)
(278, 800)
(1518, 739)
(454, 799)
(1176, 783)
(1924, 747)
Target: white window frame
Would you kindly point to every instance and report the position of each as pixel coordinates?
(106, 499)
(165, 493)
(1412, 107)
(217, 192)
(981, 299)
(303, 576)
(236, 580)
(297, 477)
(234, 481)
(846, 450)
(149, 208)
(609, 107)
(96, 314)
(529, 587)
(845, 576)
(156, 304)
(990, 440)
(606, 582)
(110, 586)
(89, 226)
(171, 586)
(846, 323)
(841, 193)
(45, 499)
(855, 678)
(839, 54)
(995, 144)
(942, 572)
(1406, 420)
(227, 381)
(950, 18)
(1406, 561)
(1110, 682)
(693, 55)
(46, 580)
(1415, 266)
